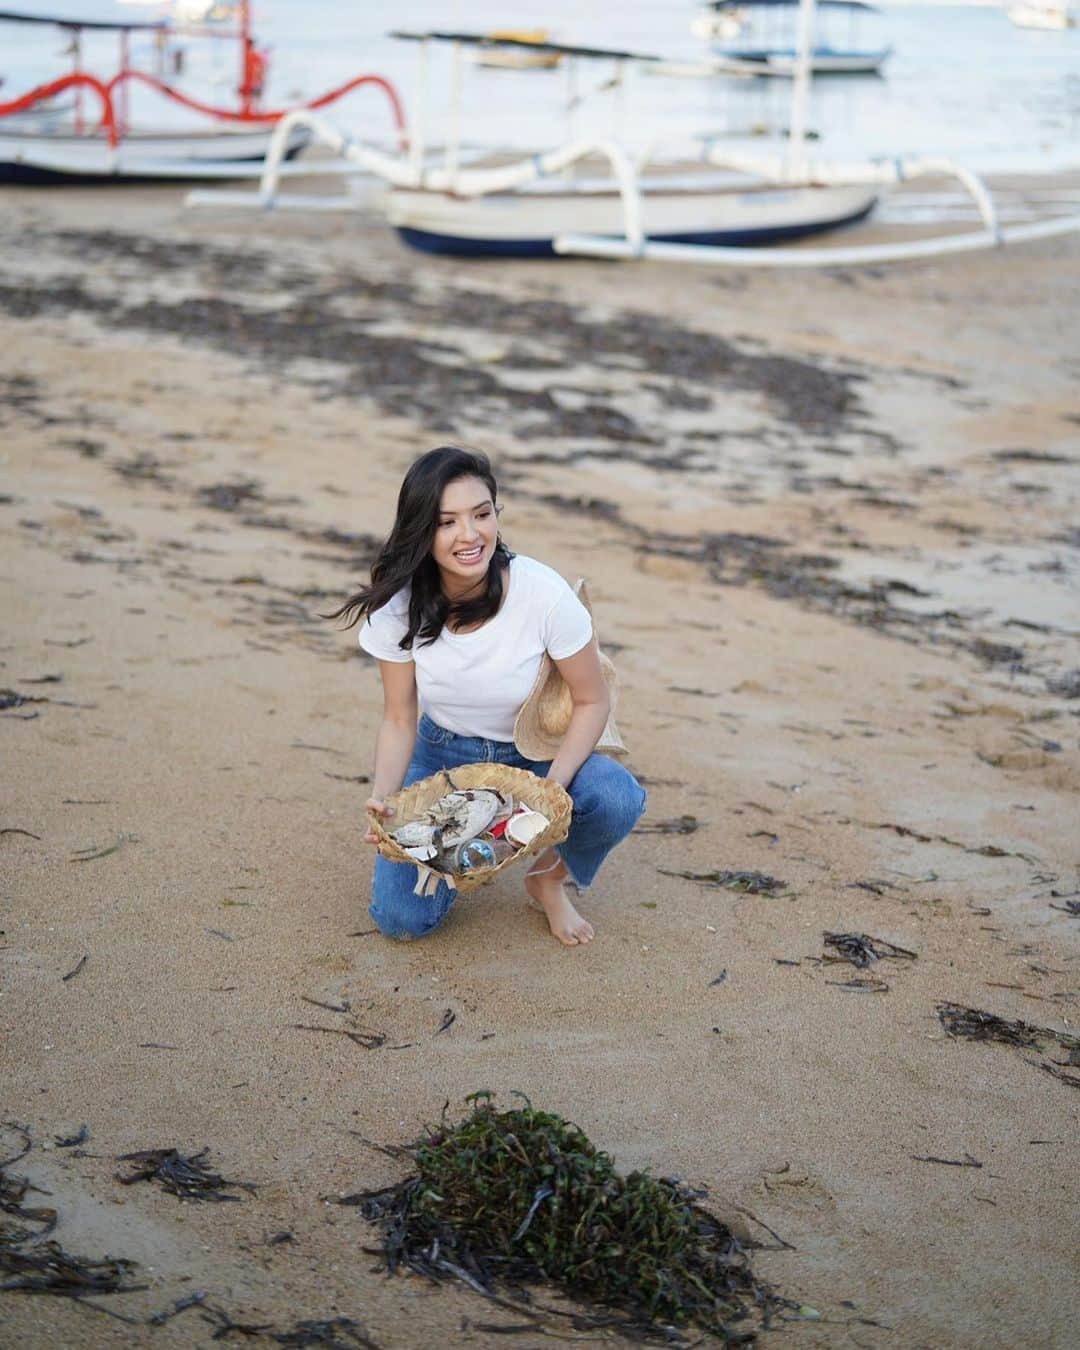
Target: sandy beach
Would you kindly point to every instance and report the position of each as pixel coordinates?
(829, 524)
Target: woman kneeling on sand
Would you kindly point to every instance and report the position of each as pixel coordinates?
(460, 627)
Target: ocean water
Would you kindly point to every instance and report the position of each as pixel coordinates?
(961, 81)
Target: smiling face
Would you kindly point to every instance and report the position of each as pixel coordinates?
(465, 534)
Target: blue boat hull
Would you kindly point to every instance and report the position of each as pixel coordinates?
(456, 246)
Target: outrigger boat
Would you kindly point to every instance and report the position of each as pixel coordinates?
(534, 205)
(524, 220)
(93, 138)
(520, 209)
(505, 53)
(1048, 15)
(767, 40)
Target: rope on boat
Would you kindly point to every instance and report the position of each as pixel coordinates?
(114, 134)
(78, 78)
(265, 118)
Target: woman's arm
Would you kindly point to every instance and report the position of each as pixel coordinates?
(592, 704)
(396, 736)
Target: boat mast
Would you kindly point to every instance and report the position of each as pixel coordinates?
(77, 68)
(124, 108)
(453, 140)
(247, 57)
(800, 93)
(418, 126)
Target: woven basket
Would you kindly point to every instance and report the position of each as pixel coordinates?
(542, 794)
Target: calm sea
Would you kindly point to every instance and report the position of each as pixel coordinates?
(961, 80)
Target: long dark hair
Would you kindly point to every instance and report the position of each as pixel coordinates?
(405, 559)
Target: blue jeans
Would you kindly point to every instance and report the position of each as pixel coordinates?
(608, 802)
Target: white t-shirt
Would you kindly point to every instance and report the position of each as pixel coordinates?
(474, 683)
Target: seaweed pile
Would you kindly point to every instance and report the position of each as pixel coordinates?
(186, 1178)
(13, 1190)
(861, 950)
(29, 1265)
(510, 1198)
(974, 1024)
(49, 1269)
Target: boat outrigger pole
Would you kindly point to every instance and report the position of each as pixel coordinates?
(796, 169)
(800, 94)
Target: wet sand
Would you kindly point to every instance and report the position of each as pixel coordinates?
(829, 526)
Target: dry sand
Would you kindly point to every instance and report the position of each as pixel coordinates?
(829, 524)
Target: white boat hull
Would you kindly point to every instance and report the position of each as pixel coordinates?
(1052, 18)
(823, 61)
(516, 58)
(525, 223)
(31, 150)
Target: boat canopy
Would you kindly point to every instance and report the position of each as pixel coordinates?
(65, 21)
(487, 40)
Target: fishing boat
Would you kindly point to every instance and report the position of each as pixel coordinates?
(767, 37)
(1049, 15)
(715, 24)
(512, 211)
(557, 202)
(91, 136)
(518, 49)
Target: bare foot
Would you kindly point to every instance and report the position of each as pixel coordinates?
(546, 890)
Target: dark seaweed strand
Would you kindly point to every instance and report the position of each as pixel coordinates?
(338, 1333)
(48, 1269)
(187, 1178)
(515, 1197)
(976, 1025)
(861, 950)
(13, 1191)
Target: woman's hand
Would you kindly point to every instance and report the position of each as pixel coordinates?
(377, 807)
(591, 706)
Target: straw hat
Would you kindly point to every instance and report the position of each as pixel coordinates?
(544, 716)
(543, 795)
